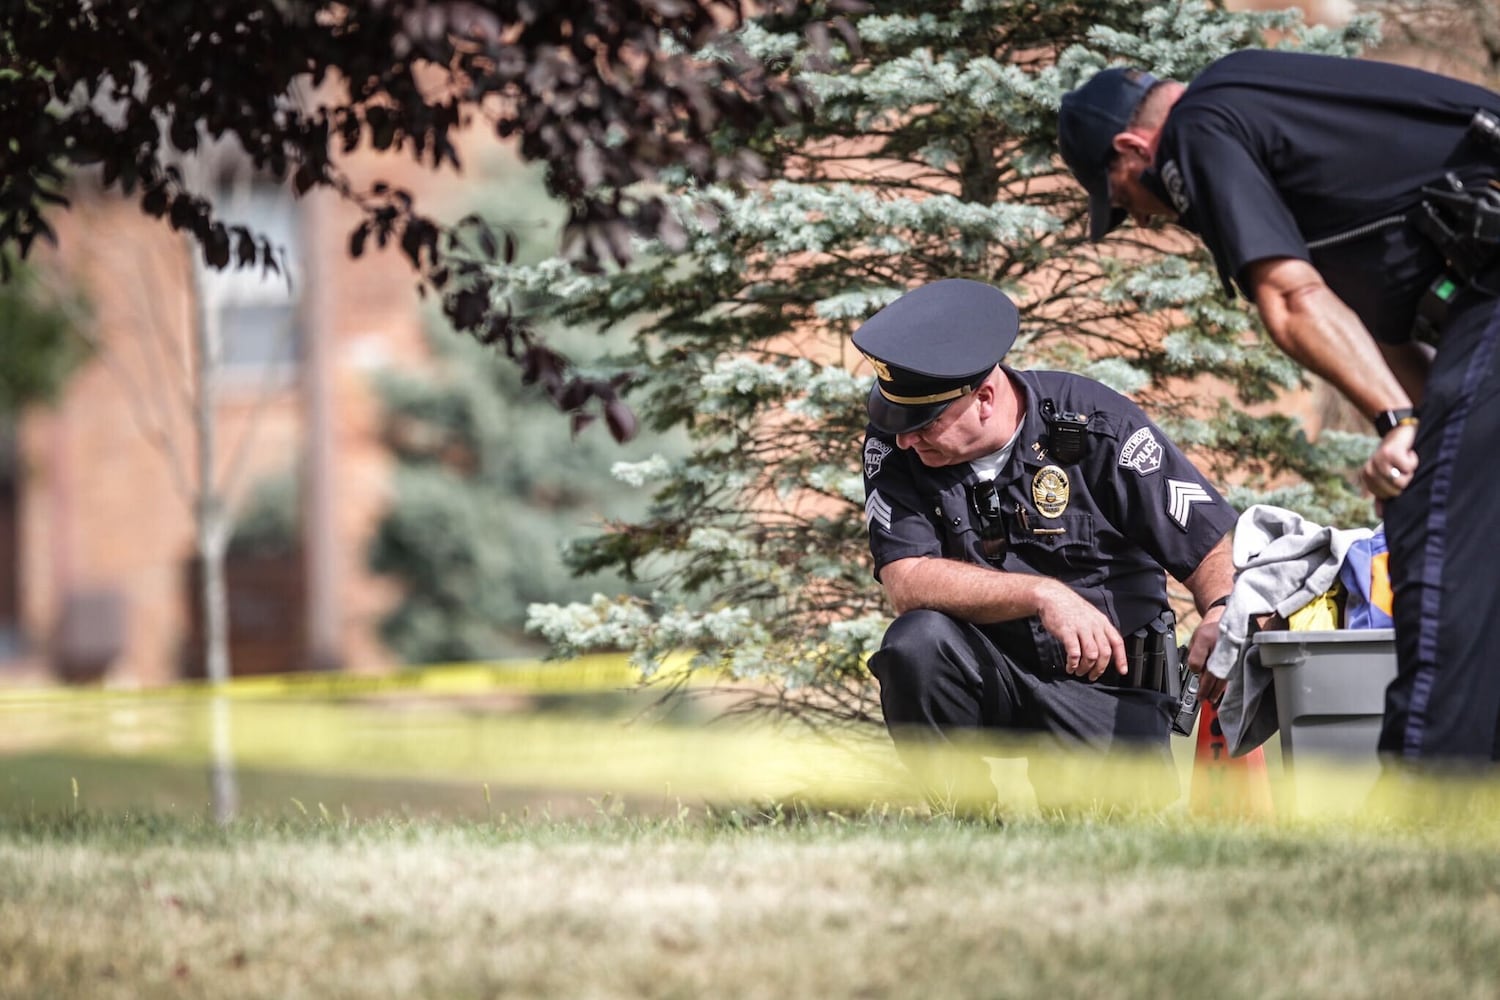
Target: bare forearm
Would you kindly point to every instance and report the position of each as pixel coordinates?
(1328, 340)
(1315, 328)
(976, 594)
(1311, 324)
(965, 591)
(1214, 577)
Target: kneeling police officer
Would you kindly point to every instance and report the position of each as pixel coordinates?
(1022, 524)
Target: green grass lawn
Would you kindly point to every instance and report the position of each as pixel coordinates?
(738, 902)
(463, 848)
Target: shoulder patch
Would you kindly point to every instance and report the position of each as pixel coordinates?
(1142, 452)
(1171, 177)
(876, 451)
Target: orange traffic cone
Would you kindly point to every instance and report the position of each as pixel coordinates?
(1223, 785)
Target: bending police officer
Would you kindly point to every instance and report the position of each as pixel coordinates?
(1022, 525)
(1355, 204)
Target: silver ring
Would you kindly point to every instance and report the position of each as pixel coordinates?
(1394, 473)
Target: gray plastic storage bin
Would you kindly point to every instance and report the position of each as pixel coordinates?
(1330, 688)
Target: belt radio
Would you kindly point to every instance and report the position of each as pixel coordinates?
(1188, 703)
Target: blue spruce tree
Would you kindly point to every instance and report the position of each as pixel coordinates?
(931, 154)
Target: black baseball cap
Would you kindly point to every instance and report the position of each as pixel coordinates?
(1087, 123)
(933, 346)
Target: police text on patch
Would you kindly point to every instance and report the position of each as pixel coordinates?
(1142, 452)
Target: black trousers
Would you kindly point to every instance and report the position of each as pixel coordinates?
(941, 679)
(1443, 532)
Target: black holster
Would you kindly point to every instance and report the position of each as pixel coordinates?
(1157, 663)
(1463, 223)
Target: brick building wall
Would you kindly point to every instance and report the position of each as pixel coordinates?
(103, 525)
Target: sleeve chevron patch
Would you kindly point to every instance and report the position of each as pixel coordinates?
(1181, 495)
(877, 510)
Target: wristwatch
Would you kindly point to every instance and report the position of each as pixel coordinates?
(1388, 420)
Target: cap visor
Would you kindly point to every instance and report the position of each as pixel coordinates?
(892, 418)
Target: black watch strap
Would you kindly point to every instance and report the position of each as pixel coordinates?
(1388, 420)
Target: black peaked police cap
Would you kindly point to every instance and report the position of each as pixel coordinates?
(932, 346)
(1087, 123)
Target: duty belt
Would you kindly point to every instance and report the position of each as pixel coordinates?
(1156, 662)
(1463, 223)
(1151, 655)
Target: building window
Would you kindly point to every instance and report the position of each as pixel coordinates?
(259, 319)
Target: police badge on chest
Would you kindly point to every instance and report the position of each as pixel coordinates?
(1050, 491)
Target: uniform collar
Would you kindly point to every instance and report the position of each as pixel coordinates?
(1030, 450)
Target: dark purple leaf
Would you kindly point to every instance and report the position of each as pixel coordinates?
(621, 420)
(466, 308)
(357, 239)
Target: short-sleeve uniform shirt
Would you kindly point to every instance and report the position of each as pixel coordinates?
(1283, 154)
(1109, 524)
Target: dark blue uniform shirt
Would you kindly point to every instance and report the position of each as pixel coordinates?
(1284, 154)
(1107, 524)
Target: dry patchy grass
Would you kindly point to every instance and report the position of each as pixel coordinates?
(869, 907)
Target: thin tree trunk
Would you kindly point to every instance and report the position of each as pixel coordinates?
(318, 524)
(212, 516)
(223, 781)
(210, 511)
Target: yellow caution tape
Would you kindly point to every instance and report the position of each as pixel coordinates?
(587, 673)
(457, 742)
(324, 724)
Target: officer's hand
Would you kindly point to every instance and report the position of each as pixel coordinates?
(1390, 469)
(1090, 640)
(1205, 637)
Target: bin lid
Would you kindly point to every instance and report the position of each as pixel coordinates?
(1313, 636)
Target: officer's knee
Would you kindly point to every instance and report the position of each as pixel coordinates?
(918, 633)
(912, 648)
